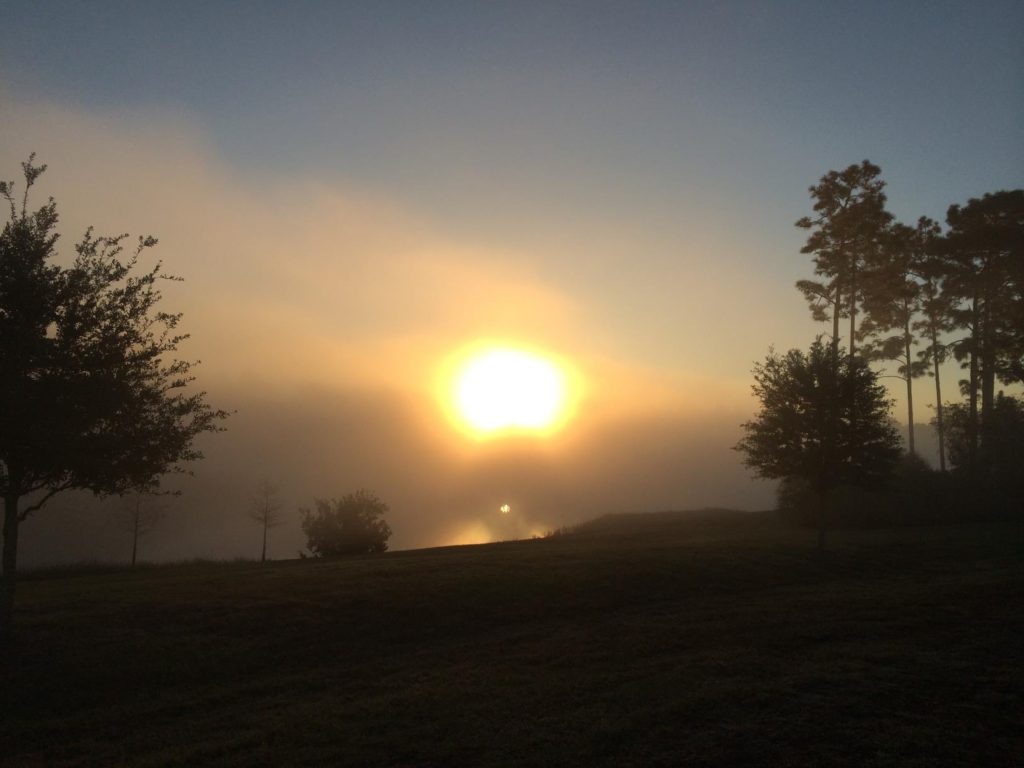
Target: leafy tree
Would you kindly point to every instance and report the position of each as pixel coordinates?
(824, 419)
(266, 511)
(139, 516)
(351, 525)
(90, 394)
(846, 232)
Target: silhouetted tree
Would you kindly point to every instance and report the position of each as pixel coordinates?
(999, 466)
(90, 396)
(824, 419)
(983, 251)
(266, 510)
(846, 232)
(935, 321)
(914, 494)
(353, 524)
(892, 298)
(139, 516)
(1012, 359)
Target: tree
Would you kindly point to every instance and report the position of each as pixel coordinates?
(936, 319)
(984, 251)
(139, 516)
(913, 495)
(266, 511)
(91, 396)
(824, 419)
(999, 463)
(993, 470)
(892, 298)
(846, 232)
(351, 525)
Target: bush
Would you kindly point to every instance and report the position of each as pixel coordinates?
(351, 525)
(914, 495)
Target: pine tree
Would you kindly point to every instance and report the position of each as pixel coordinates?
(846, 234)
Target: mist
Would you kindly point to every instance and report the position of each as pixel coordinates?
(317, 444)
(322, 316)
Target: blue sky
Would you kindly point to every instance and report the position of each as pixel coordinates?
(614, 182)
(630, 104)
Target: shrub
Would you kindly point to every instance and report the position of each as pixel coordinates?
(351, 525)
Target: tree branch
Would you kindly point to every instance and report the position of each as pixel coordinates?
(39, 504)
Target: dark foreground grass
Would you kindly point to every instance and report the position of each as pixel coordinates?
(654, 641)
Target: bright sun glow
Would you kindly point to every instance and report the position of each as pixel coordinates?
(499, 389)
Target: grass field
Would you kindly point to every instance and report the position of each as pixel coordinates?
(654, 640)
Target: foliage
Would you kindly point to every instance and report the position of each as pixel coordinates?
(823, 418)
(999, 467)
(845, 234)
(892, 299)
(914, 495)
(353, 524)
(91, 396)
(986, 241)
(958, 294)
(983, 252)
(935, 320)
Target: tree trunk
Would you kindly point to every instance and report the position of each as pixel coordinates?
(938, 402)
(135, 534)
(263, 556)
(835, 318)
(910, 383)
(822, 507)
(972, 425)
(10, 568)
(853, 308)
(987, 370)
(853, 339)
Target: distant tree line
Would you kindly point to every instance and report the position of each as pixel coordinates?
(918, 297)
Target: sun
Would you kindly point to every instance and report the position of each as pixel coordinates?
(501, 389)
(504, 388)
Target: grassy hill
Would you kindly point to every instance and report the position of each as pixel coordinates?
(638, 640)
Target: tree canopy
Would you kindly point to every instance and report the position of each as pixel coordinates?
(845, 233)
(351, 525)
(1000, 465)
(824, 418)
(918, 296)
(91, 395)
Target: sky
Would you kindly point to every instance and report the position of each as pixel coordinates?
(355, 193)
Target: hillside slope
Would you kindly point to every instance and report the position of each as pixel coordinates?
(713, 641)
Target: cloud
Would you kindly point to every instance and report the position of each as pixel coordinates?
(284, 265)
